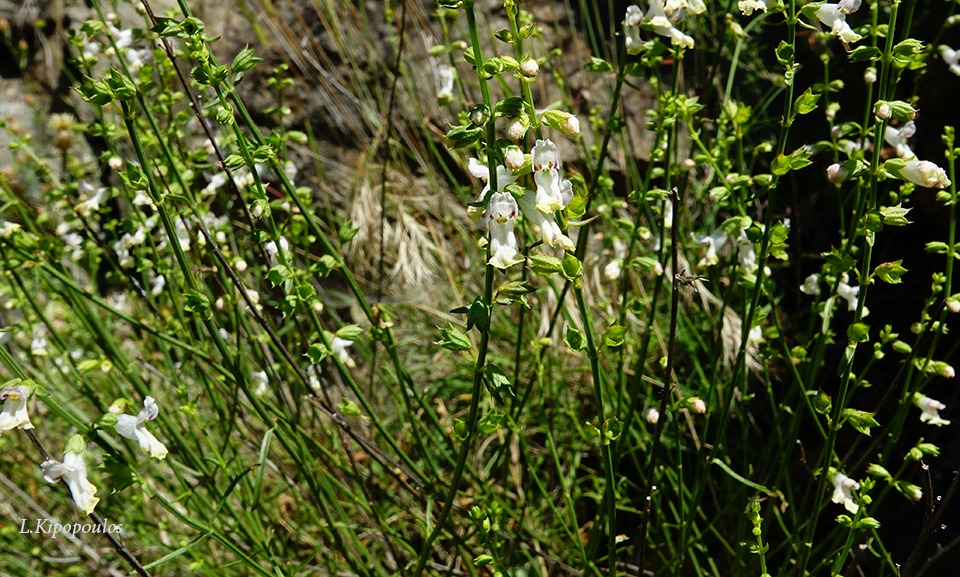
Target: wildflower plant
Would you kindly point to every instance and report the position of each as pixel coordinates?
(655, 292)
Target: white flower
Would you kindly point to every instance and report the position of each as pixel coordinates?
(505, 177)
(931, 410)
(952, 58)
(93, 198)
(339, 347)
(662, 25)
(38, 342)
(514, 159)
(713, 241)
(74, 472)
(613, 269)
(897, 138)
(652, 416)
(748, 6)
(9, 229)
(273, 249)
(746, 253)
(925, 173)
(14, 414)
(157, 284)
(545, 224)
(811, 285)
(445, 77)
(135, 428)
(697, 405)
(834, 17)
(501, 217)
(260, 379)
(631, 30)
(843, 488)
(850, 294)
(546, 166)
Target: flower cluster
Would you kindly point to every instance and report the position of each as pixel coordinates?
(662, 18)
(553, 193)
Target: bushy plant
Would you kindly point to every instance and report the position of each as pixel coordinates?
(616, 344)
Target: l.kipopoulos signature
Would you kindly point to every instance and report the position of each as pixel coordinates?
(52, 528)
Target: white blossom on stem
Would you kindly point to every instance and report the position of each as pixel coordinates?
(931, 410)
(74, 471)
(14, 414)
(135, 428)
(843, 488)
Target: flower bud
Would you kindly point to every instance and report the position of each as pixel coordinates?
(563, 121)
(870, 76)
(513, 158)
(529, 67)
(479, 115)
(836, 173)
(516, 130)
(652, 416)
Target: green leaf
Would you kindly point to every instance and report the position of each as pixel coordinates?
(806, 102)
(245, 60)
(613, 339)
(859, 420)
(864, 53)
(349, 332)
(890, 272)
(544, 264)
(574, 339)
(785, 54)
(497, 383)
(454, 340)
(895, 215)
(346, 232)
(461, 136)
(197, 303)
(599, 65)
(571, 267)
(348, 408)
(858, 332)
(478, 315)
(316, 352)
(838, 263)
(167, 27)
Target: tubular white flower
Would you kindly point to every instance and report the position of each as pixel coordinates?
(135, 428)
(339, 347)
(951, 58)
(931, 410)
(834, 17)
(631, 30)
(850, 294)
(713, 241)
(544, 224)
(843, 488)
(746, 253)
(546, 166)
(748, 6)
(14, 414)
(925, 173)
(505, 177)
(811, 285)
(74, 471)
(897, 138)
(501, 217)
(445, 77)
